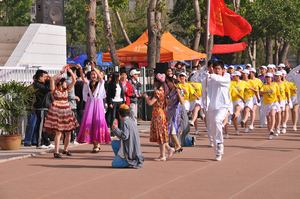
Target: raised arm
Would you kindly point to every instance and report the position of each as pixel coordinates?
(70, 86)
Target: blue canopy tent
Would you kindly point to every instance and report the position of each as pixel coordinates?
(81, 58)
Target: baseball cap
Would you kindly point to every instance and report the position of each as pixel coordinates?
(264, 67)
(239, 67)
(236, 73)
(231, 66)
(182, 74)
(269, 75)
(249, 65)
(278, 73)
(134, 72)
(245, 71)
(252, 70)
(271, 66)
(281, 65)
(283, 72)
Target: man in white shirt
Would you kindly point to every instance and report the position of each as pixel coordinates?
(219, 105)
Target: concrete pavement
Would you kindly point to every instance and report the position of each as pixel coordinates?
(252, 167)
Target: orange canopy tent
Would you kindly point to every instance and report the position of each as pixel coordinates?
(171, 50)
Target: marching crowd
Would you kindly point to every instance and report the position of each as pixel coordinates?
(83, 106)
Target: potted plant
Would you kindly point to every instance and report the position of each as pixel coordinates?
(15, 99)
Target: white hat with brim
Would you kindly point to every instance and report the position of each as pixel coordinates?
(231, 66)
(264, 67)
(182, 74)
(134, 72)
(284, 72)
(271, 66)
(278, 73)
(281, 65)
(245, 71)
(269, 75)
(236, 73)
(252, 70)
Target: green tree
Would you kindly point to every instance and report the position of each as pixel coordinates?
(15, 12)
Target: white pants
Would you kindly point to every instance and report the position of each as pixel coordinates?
(216, 118)
(262, 116)
(133, 108)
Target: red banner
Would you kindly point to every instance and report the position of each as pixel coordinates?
(225, 22)
(229, 48)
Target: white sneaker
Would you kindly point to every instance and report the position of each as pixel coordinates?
(220, 148)
(277, 132)
(246, 130)
(283, 131)
(197, 132)
(211, 144)
(218, 157)
(226, 136)
(295, 128)
(251, 127)
(237, 132)
(270, 136)
(43, 147)
(51, 146)
(75, 143)
(191, 123)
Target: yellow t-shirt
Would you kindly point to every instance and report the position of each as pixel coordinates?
(292, 88)
(198, 90)
(233, 92)
(240, 87)
(283, 90)
(272, 95)
(187, 89)
(258, 83)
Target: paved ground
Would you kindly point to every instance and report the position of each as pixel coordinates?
(252, 167)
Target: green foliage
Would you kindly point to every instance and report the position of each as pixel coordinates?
(274, 18)
(182, 19)
(15, 99)
(15, 12)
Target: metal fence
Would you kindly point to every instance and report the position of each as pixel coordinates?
(21, 74)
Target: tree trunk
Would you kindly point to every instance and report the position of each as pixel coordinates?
(159, 30)
(197, 25)
(298, 56)
(236, 4)
(152, 34)
(269, 50)
(276, 53)
(91, 30)
(284, 52)
(252, 52)
(122, 27)
(108, 32)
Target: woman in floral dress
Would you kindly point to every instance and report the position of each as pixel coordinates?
(159, 126)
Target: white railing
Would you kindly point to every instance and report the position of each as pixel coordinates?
(22, 74)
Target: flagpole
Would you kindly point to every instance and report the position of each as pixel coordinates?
(208, 53)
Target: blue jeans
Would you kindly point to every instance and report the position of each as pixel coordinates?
(118, 162)
(30, 137)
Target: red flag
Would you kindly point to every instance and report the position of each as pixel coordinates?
(228, 48)
(225, 22)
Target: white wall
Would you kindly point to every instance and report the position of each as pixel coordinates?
(41, 45)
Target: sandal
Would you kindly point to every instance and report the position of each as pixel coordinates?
(160, 159)
(171, 152)
(96, 150)
(179, 150)
(57, 155)
(68, 153)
